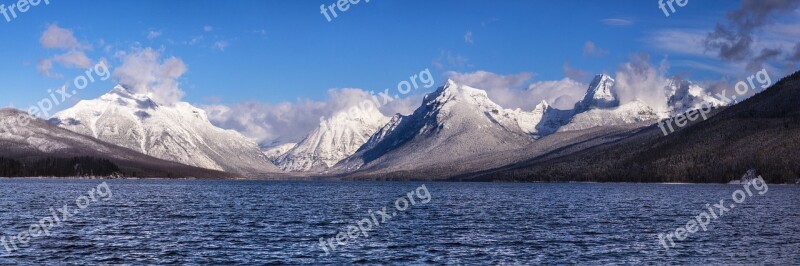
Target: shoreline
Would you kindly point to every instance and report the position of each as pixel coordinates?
(312, 179)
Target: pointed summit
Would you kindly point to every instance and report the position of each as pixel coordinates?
(456, 121)
(541, 108)
(600, 94)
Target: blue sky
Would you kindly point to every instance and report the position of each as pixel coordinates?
(281, 51)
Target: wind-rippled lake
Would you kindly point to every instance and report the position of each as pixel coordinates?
(266, 222)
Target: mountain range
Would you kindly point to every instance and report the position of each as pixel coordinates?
(457, 133)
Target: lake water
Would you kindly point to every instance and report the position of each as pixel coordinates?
(263, 222)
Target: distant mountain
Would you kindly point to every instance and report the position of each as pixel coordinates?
(179, 132)
(273, 153)
(761, 133)
(335, 139)
(601, 105)
(548, 119)
(683, 96)
(632, 112)
(453, 123)
(41, 149)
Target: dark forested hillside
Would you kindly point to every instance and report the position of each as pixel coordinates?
(761, 133)
(58, 167)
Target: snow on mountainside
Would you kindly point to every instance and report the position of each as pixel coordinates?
(684, 96)
(632, 112)
(601, 107)
(179, 133)
(275, 152)
(332, 141)
(548, 119)
(35, 139)
(454, 122)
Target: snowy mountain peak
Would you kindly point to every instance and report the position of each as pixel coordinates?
(180, 132)
(684, 95)
(453, 91)
(541, 108)
(600, 94)
(455, 121)
(122, 96)
(335, 139)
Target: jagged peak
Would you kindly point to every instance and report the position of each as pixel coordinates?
(600, 94)
(543, 105)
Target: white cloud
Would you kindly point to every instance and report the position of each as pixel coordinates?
(617, 21)
(153, 34)
(468, 38)
(55, 37)
(589, 48)
(574, 73)
(73, 58)
(221, 45)
(144, 71)
(488, 80)
(639, 80)
(678, 41)
(448, 59)
(561, 94)
(291, 121)
(195, 40)
(45, 66)
(208, 28)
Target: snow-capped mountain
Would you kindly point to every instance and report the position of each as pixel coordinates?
(275, 152)
(34, 139)
(601, 107)
(455, 121)
(601, 94)
(683, 96)
(180, 132)
(335, 139)
(549, 119)
(632, 112)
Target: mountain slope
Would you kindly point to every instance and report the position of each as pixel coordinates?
(762, 133)
(632, 112)
(40, 143)
(332, 141)
(179, 133)
(453, 123)
(275, 152)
